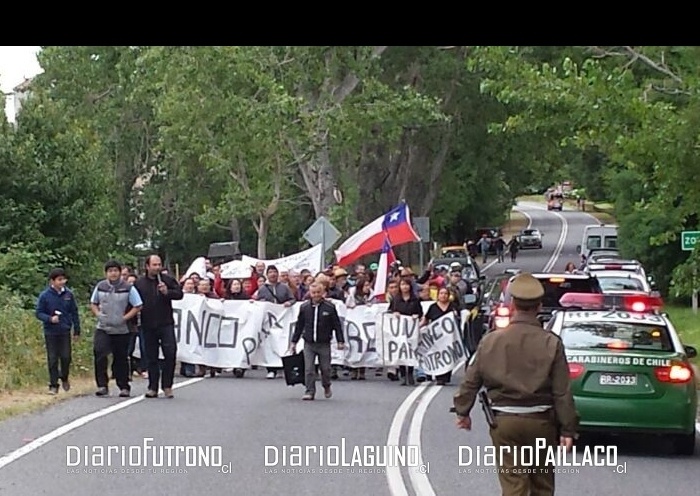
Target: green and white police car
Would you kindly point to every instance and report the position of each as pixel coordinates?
(629, 371)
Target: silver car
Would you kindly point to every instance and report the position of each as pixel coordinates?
(530, 238)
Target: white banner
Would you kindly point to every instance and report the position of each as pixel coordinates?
(236, 269)
(399, 339)
(199, 267)
(240, 334)
(440, 348)
(311, 259)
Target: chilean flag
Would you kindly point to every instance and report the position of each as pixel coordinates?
(385, 260)
(395, 226)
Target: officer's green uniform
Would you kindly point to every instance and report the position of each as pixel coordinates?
(524, 370)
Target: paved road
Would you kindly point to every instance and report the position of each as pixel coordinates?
(244, 415)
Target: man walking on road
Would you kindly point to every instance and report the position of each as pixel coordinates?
(158, 291)
(531, 396)
(114, 302)
(318, 319)
(484, 244)
(513, 247)
(57, 309)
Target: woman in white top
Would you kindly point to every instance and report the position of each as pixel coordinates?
(360, 294)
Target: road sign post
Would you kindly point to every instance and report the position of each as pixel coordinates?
(422, 227)
(689, 239)
(695, 291)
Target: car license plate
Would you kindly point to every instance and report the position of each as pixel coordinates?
(618, 380)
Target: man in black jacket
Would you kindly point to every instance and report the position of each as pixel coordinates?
(317, 320)
(157, 291)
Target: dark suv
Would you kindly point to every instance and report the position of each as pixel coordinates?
(555, 286)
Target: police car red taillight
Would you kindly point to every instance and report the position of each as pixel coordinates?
(677, 374)
(575, 370)
(642, 303)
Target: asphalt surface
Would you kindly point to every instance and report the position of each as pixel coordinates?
(242, 416)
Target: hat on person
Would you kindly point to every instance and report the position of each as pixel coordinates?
(374, 266)
(526, 288)
(340, 272)
(455, 266)
(271, 268)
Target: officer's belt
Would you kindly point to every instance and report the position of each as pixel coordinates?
(546, 415)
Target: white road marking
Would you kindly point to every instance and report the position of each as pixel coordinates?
(419, 479)
(529, 225)
(397, 487)
(421, 482)
(79, 422)
(560, 243)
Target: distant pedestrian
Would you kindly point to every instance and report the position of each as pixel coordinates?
(158, 291)
(317, 321)
(484, 245)
(500, 246)
(58, 310)
(513, 248)
(114, 302)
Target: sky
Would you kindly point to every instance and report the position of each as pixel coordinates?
(16, 63)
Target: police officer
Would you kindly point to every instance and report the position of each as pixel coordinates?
(524, 371)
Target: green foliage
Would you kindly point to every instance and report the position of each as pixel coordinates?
(23, 350)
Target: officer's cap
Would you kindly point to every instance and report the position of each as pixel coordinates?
(527, 288)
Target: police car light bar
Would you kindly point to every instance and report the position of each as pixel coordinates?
(613, 266)
(597, 301)
(589, 301)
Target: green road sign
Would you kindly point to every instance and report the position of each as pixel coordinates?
(689, 239)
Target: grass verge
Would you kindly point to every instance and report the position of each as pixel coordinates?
(35, 398)
(514, 225)
(23, 373)
(688, 326)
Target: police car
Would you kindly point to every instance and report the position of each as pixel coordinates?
(629, 370)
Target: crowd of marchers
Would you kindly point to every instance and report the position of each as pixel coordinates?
(128, 306)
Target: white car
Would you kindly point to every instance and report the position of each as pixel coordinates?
(622, 282)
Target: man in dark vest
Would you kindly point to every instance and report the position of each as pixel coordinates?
(158, 291)
(114, 302)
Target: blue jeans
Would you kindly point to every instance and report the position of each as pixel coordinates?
(142, 362)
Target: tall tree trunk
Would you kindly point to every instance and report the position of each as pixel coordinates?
(317, 171)
(235, 230)
(262, 227)
(319, 181)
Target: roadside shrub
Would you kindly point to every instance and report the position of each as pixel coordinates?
(22, 348)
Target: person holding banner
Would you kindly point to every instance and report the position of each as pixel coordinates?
(406, 303)
(360, 294)
(317, 321)
(274, 291)
(440, 308)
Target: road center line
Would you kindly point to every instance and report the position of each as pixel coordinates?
(419, 478)
(79, 422)
(560, 243)
(397, 487)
